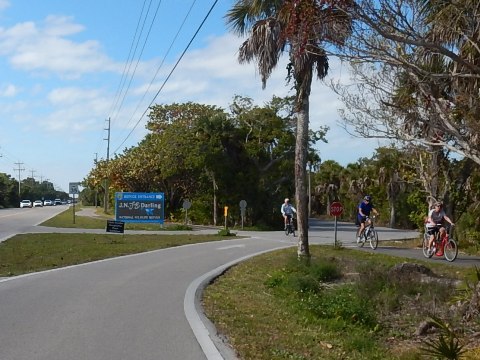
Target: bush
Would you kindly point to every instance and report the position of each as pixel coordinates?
(225, 232)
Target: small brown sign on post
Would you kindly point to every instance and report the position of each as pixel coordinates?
(115, 226)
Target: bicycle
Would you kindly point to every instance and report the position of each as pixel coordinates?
(289, 228)
(446, 247)
(368, 234)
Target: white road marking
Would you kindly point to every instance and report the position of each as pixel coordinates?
(231, 247)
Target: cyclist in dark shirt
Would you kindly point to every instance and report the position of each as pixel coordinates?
(364, 210)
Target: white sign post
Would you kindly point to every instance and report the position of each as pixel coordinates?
(243, 206)
(186, 205)
(73, 189)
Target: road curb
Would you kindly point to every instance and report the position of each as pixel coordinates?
(212, 345)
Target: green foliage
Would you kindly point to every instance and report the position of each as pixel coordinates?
(29, 189)
(419, 211)
(201, 153)
(447, 346)
(344, 303)
(225, 232)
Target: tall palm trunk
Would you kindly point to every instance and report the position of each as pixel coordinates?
(301, 197)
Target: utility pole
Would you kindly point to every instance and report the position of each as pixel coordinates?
(96, 190)
(309, 164)
(33, 178)
(19, 179)
(105, 205)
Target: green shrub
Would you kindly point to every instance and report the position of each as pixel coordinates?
(225, 232)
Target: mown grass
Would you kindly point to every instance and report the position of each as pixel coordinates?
(343, 304)
(35, 252)
(65, 220)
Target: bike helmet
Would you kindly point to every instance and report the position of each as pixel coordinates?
(367, 197)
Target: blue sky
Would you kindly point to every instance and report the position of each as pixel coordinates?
(68, 66)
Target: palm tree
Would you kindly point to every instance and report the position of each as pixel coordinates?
(299, 28)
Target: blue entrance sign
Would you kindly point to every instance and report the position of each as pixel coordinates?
(139, 207)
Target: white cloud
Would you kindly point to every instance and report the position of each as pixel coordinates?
(46, 49)
(9, 90)
(72, 95)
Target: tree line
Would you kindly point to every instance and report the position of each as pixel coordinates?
(216, 158)
(12, 192)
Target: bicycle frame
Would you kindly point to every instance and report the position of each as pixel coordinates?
(368, 226)
(290, 228)
(444, 246)
(440, 243)
(368, 234)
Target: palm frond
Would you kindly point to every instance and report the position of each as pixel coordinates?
(264, 46)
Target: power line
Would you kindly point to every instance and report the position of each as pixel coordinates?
(170, 74)
(161, 64)
(129, 61)
(139, 55)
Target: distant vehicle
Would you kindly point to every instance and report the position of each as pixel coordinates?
(25, 203)
(57, 202)
(48, 203)
(38, 203)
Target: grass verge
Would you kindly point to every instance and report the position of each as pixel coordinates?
(35, 252)
(65, 220)
(343, 304)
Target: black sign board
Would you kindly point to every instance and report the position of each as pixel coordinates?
(115, 226)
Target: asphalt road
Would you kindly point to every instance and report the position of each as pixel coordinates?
(142, 306)
(18, 221)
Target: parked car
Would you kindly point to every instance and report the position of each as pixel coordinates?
(57, 202)
(48, 203)
(38, 203)
(25, 203)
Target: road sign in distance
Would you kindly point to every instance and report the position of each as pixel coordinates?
(243, 204)
(187, 204)
(336, 208)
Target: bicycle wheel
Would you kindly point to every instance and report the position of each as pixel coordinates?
(450, 251)
(360, 239)
(425, 241)
(373, 239)
(287, 230)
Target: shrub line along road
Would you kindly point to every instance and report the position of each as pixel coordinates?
(143, 306)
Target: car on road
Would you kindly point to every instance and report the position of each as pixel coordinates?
(57, 202)
(38, 203)
(25, 203)
(48, 203)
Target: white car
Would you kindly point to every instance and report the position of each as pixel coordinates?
(48, 203)
(25, 203)
(38, 203)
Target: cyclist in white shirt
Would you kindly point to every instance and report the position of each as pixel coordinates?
(287, 211)
(435, 221)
